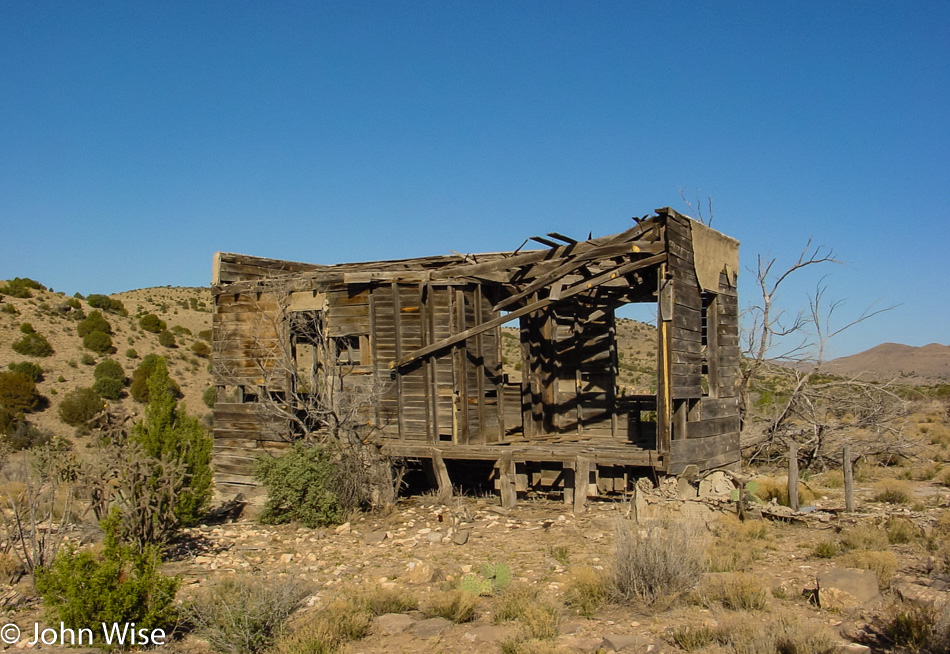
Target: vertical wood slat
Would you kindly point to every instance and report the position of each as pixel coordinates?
(480, 433)
(432, 378)
(462, 363)
(432, 434)
(375, 357)
(397, 332)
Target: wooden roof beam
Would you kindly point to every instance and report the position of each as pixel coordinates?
(588, 285)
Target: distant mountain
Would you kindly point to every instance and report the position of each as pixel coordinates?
(914, 365)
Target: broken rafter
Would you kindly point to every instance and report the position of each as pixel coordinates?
(581, 287)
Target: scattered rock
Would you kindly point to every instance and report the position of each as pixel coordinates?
(421, 572)
(685, 490)
(845, 588)
(909, 591)
(431, 627)
(619, 642)
(717, 484)
(434, 537)
(854, 648)
(345, 528)
(461, 537)
(488, 634)
(393, 623)
(375, 537)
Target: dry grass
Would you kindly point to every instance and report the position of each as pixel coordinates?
(901, 531)
(538, 618)
(893, 491)
(656, 563)
(738, 545)
(832, 479)
(736, 591)
(586, 591)
(745, 634)
(825, 549)
(922, 630)
(532, 646)
(376, 600)
(327, 630)
(864, 537)
(243, 614)
(513, 602)
(455, 605)
(777, 489)
(692, 638)
(883, 564)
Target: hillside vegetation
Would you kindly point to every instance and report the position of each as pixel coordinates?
(102, 336)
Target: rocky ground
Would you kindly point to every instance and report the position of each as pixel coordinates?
(422, 547)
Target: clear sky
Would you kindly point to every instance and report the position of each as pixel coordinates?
(137, 138)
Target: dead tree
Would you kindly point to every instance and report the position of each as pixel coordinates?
(787, 398)
(303, 396)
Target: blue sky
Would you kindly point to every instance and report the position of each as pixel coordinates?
(136, 138)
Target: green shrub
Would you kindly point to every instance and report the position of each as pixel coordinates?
(131, 353)
(180, 331)
(109, 388)
(170, 434)
(98, 342)
(201, 349)
(210, 396)
(80, 406)
(29, 369)
(109, 368)
(166, 339)
(84, 590)
(300, 487)
(106, 303)
(18, 392)
(139, 387)
(152, 323)
(94, 322)
(87, 359)
(27, 328)
(74, 304)
(21, 287)
(205, 335)
(243, 615)
(32, 345)
(10, 309)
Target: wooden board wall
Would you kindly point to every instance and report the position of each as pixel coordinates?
(704, 421)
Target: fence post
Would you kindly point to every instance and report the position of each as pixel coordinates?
(848, 479)
(793, 476)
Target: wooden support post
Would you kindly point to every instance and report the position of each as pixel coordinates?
(438, 475)
(506, 482)
(846, 466)
(569, 482)
(793, 476)
(581, 484)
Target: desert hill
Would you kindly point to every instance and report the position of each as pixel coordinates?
(186, 312)
(913, 365)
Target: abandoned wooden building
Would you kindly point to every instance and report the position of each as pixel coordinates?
(411, 351)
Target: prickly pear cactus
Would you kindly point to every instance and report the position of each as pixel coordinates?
(498, 574)
(472, 583)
